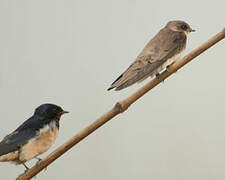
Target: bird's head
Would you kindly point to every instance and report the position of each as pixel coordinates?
(179, 26)
(49, 111)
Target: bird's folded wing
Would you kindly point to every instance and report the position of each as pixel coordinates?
(15, 140)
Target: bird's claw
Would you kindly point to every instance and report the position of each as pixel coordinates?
(167, 68)
(157, 75)
(39, 159)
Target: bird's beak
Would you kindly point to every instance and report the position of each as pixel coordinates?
(61, 113)
(64, 112)
(192, 30)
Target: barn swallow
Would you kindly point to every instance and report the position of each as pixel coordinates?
(34, 137)
(165, 48)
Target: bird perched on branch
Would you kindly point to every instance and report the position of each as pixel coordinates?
(161, 51)
(34, 137)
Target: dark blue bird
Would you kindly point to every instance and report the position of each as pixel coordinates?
(34, 137)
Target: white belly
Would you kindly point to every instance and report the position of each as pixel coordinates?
(165, 64)
(37, 146)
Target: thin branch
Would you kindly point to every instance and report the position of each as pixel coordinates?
(119, 108)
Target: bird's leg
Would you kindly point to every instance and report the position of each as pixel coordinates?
(27, 168)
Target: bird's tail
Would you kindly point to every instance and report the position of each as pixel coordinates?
(114, 84)
(9, 157)
(123, 81)
(7, 153)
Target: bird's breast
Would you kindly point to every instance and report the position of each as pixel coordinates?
(40, 143)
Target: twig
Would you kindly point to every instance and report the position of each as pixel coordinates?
(119, 108)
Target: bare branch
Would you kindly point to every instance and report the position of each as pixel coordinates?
(119, 108)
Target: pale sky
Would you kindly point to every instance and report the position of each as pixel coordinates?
(68, 52)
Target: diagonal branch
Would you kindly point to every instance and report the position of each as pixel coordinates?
(119, 108)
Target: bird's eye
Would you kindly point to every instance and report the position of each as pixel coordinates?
(184, 27)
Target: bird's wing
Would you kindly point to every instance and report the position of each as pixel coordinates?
(155, 53)
(15, 140)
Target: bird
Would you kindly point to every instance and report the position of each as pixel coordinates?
(160, 52)
(33, 137)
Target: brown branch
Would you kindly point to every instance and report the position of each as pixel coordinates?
(119, 108)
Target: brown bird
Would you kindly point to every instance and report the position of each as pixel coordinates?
(165, 48)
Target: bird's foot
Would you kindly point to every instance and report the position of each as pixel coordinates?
(167, 67)
(39, 159)
(157, 75)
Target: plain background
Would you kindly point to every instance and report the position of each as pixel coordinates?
(69, 52)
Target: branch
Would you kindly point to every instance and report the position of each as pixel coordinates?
(119, 108)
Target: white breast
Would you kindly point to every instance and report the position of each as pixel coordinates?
(37, 146)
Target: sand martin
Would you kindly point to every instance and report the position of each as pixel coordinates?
(165, 48)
